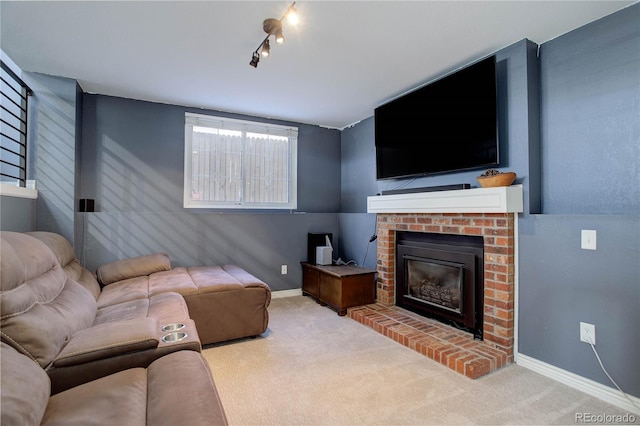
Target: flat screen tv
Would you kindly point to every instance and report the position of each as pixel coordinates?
(446, 126)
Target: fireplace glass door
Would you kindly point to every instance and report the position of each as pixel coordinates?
(435, 282)
(440, 276)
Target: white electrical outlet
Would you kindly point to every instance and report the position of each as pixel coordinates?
(587, 333)
(588, 239)
(283, 269)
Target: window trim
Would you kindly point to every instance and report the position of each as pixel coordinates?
(9, 190)
(246, 126)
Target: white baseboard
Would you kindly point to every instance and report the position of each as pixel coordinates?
(588, 386)
(286, 293)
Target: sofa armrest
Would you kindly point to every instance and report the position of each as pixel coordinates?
(133, 267)
(109, 340)
(181, 391)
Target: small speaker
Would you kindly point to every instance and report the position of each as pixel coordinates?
(87, 205)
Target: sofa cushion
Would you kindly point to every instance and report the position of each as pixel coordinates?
(176, 389)
(243, 277)
(41, 308)
(124, 291)
(118, 399)
(25, 258)
(24, 391)
(60, 248)
(67, 259)
(133, 267)
(166, 308)
(177, 279)
(213, 278)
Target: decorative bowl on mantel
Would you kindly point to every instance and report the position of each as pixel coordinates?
(493, 178)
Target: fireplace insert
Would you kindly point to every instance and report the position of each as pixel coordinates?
(440, 276)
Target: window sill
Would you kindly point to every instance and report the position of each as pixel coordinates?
(239, 207)
(8, 190)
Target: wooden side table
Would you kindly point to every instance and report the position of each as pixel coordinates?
(340, 287)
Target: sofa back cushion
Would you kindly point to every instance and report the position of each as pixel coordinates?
(40, 307)
(25, 389)
(133, 267)
(63, 251)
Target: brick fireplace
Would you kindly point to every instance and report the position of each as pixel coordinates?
(454, 348)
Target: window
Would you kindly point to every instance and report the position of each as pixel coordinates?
(239, 164)
(13, 127)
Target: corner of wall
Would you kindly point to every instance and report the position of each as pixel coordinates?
(533, 98)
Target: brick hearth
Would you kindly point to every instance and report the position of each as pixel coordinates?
(440, 342)
(454, 348)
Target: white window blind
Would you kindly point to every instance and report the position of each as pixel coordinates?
(239, 164)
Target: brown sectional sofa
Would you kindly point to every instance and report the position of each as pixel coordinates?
(225, 302)
(100, 343)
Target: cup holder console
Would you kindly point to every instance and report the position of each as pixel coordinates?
(173, 327)
(173, 337)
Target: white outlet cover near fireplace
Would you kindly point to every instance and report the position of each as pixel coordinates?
(504, 199)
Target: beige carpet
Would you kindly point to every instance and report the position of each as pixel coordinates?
(313, 367)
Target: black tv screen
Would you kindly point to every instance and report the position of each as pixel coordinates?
(446, 126)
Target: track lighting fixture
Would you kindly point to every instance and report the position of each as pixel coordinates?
(266, 48)
(273, 26)
(279, 36)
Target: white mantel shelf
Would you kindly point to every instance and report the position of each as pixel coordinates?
(504, 199)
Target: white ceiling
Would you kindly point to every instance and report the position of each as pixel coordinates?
(346, 57)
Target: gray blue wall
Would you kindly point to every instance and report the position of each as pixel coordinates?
(590, 91)
(590, 95)
(132, 165)
(358, 161)
(17, 214)
(54, 133)
(578, 156)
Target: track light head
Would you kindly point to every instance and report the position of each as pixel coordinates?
(279, 36)
(266, 48)
(255, 59)
(292, 15)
